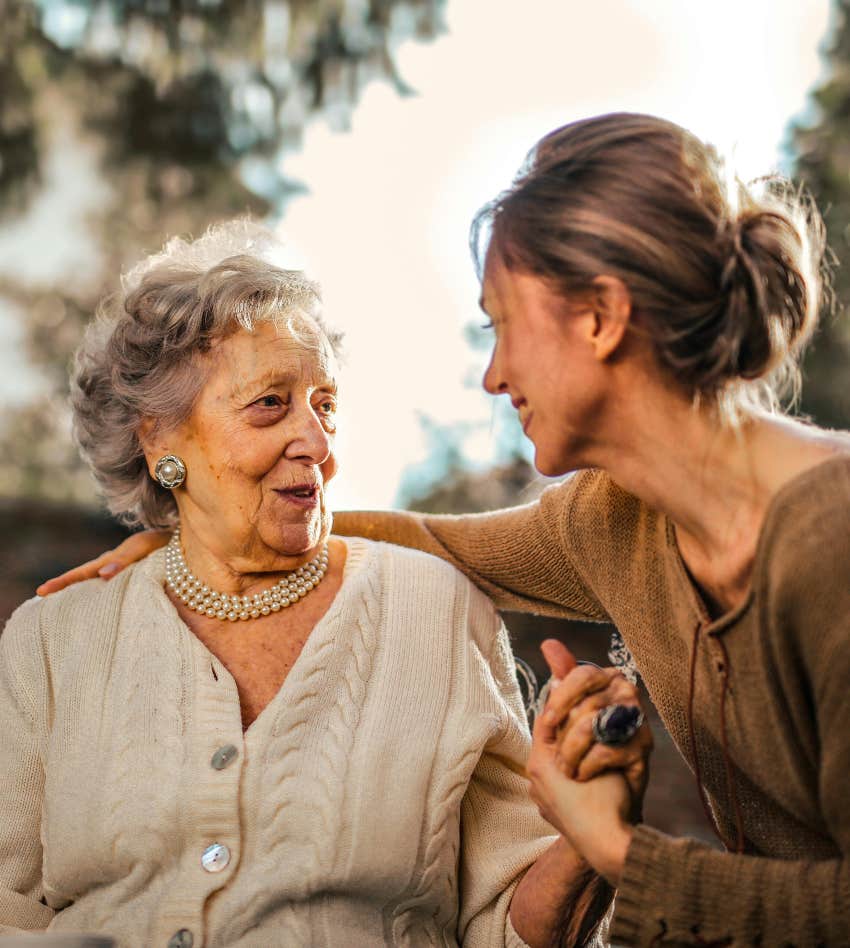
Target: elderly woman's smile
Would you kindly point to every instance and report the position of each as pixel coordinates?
(258, 448)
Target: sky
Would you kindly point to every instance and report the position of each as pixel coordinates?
(385, 222)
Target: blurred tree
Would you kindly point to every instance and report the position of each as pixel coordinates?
(823, 158)
(187, 107)
(454, 488)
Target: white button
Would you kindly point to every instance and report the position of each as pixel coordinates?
(215, 857)
(224, 756)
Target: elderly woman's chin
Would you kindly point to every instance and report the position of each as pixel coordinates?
(294, 526)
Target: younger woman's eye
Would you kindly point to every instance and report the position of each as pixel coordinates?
(487, 325)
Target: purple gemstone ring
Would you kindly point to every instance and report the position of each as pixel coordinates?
(616, 724)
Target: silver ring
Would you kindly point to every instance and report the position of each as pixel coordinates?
(616, 724)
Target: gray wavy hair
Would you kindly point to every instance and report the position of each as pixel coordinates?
(143, 355)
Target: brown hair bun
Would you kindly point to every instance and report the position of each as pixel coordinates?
(727, 287)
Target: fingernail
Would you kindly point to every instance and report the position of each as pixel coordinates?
(550, 717)
(109, 570)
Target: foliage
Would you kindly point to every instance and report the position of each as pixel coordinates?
(189, 107)
(823, 159)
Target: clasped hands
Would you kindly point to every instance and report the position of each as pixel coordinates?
(591, 793)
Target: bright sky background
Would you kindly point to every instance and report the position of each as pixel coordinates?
(387, 220)
(385, 224)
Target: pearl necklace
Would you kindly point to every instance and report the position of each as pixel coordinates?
(198, 596)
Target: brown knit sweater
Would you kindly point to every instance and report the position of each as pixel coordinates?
(588, 549)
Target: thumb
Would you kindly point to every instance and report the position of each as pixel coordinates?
(558, 657)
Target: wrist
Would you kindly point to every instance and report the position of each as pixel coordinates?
(608, 854)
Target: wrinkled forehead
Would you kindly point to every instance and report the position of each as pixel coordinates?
(291, 348)
(301, 329)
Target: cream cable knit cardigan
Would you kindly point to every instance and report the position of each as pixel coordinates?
(369, 804)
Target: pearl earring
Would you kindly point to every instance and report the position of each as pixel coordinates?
(170, 471)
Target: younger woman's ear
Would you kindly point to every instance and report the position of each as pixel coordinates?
(612, 305)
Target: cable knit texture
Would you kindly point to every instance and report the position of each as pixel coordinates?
(374, 801)
(588, 549)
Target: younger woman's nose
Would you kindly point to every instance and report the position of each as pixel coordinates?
(492, 381)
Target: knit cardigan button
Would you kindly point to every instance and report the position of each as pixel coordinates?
(215, 857)
(181, 939)
(224, 756)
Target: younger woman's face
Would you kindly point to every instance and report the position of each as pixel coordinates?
(543, 360)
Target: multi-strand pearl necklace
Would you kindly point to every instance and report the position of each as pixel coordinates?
(198, 596)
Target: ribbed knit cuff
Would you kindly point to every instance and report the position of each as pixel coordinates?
(648, 872)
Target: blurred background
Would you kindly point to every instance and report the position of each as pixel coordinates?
(367, 133)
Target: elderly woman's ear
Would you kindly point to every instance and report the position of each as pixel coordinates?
(164, 466)
(147, 433)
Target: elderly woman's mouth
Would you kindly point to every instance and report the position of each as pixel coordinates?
(306, 495)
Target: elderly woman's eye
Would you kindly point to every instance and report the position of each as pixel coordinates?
(328, 406)
(269, 401)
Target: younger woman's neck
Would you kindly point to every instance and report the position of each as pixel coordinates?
(714, 480)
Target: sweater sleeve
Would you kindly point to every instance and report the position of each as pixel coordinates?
(22, 681)
(726, 898)
(521, 557)
(502, 833)
(681, 892)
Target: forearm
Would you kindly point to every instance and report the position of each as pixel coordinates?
(515, 556)
(559, 899)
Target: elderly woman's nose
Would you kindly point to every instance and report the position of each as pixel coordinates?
(310, 439)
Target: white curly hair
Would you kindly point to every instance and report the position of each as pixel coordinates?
(143, 356)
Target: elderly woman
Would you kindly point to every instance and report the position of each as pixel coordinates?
(262, 734)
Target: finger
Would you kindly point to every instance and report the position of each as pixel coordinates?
(574, 743)
(106, 565)
(576, 737)
(602, 757)
(631, 758)
(559, 658)
(619, 691)
(544, 732)
(77, 574)
(580, 682)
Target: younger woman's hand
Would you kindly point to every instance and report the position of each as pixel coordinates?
(135, 547)
(593, 815)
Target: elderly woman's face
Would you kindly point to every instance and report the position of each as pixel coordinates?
(258, 446)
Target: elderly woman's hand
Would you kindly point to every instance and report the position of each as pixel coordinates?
(571, 708)
(134, 548)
